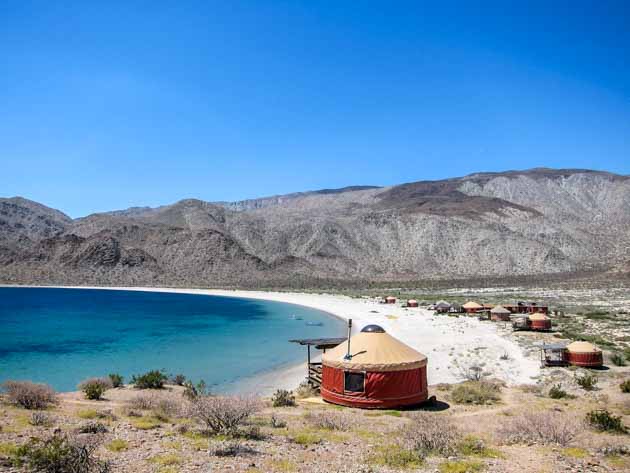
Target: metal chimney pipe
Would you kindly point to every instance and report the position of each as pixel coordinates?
(348, 355)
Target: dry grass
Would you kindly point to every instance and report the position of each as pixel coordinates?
(429, 434)
(548, 427)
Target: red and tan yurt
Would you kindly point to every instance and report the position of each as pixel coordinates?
(472, 307)
(500, 313)
(381, 372)
(584, 354)
(538, 321)
(390, 300)
(412, 303)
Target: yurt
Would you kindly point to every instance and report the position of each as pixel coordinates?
(374, 370)
(584, 354)
(412, 303)
(499, 313)
(538, 321)
(390, 300)
(471, 307)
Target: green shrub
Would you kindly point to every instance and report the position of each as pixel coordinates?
(29, 395)
(94, 388)
(193, 391)
(396, 457)
(116, 380)
(92, 428)
(117, 445)
(60, 453)
(556, 392)
(625, 386)
(586, 381)
(475, 392)
(283, 398)
(618, 359)
(177, 379)
(151, 380)
(604, 421)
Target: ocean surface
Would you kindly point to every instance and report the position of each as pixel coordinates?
(62, 336)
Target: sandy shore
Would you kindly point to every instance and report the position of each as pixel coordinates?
(452, 343)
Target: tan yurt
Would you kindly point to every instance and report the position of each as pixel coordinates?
(499, 313)
(584, 354)
(375, 371)
(538, 321)
(412, 303)
(472, 307)
(390, 300)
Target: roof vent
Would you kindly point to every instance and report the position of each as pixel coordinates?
(373, 329)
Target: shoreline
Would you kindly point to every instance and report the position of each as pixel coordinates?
(453, 344)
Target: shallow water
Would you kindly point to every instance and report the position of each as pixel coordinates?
(62, 336)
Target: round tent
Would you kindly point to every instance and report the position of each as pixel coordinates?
(499, 313)
(382, 372)
(538, 321)
(584, 354)
(472, 306)
(412, 303)
(390, 300)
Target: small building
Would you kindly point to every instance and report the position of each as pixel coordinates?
(584, 354)
(442, 307)
(499, 313)
(456, 309)
(412, 303)
(472, 307)
(520, 322)
(390, 300)
(539, 322)
(553, 354)
(374, 370)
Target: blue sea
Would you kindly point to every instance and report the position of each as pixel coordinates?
(62, 336)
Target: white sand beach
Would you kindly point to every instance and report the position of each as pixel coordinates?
(452, 344)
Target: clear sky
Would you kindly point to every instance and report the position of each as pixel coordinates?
(145, 103)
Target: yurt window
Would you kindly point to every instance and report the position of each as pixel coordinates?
(354, 382)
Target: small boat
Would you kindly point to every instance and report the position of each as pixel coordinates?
(294, 317)
(315, 324)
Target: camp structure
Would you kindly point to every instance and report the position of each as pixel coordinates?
(472, 307)
(390, 300)
(314, 368)
(412, 303)
(456, 309)
(539, 322)
(442, 307)
(374, 370)
(499, 313)
(553, 354)
(584, 354)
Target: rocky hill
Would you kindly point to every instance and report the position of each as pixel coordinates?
(516, 223)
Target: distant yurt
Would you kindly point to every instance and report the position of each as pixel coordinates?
(412, 303)
(471, 307)
(379, 372)
(442, 306)
(538, 321)
(584, 354)
(499, 313)
(390, 300)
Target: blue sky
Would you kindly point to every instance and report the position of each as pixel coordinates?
(145, 103)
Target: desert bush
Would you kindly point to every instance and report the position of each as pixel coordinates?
(618, 359)
(29, 395)
(328, 420)
(395, 457)
(586, 381)
(604, 421)
(117, 445)
(92, 428)
(305, 390)
(429, 434)
(475, 392)
(545, 428)
(116, 380)
(625, 386)
(223, 415)
(94, 388)
(283, 398)
(142, 401)
(177, 379)
(40, 419)
(192, 391)
(556, 392)
(150, 380)
(472, 372)
(277, 423)
(232, 448)
(163, 405)
(60, 453)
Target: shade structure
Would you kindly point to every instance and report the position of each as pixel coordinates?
(584, 354)
(472, 306)
(390, 300)
(412, 303)
(382, 372)
(499, 313)
(538, 321)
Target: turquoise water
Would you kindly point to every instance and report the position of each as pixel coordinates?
(62, 336)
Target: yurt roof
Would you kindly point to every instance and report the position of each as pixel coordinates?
(582, 347)
(499, 310)
(538, 316)
(374, 351)
(390, 297)
(412, 300)
(472, 305)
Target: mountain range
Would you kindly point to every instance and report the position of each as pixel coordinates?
(534, 222)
